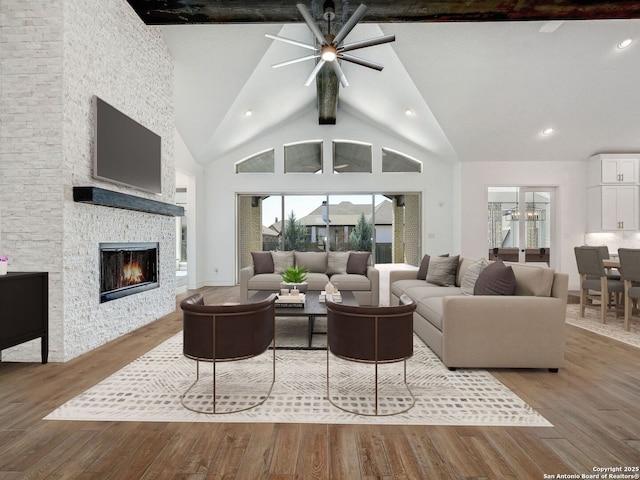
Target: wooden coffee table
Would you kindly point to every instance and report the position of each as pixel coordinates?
(312, 307)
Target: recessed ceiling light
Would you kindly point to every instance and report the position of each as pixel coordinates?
(625, 43)
(547, 131)
(409, 113)
(248, 113)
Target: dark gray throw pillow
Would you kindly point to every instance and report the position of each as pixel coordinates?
(262, 262)
(496, 279)
(358, 262)
(424, 267)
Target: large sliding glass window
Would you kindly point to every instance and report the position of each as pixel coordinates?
(371, 222)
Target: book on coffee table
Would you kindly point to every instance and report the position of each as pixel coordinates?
(290, 300)
(334, 297)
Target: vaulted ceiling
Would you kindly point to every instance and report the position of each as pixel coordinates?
(478, 90)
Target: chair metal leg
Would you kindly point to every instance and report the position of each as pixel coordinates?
(376, 409)
(214, 388)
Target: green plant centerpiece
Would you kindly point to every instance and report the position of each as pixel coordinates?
(295, 277)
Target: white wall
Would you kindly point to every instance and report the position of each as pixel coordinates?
(222, 186)
(56, 55)
(568, 177)
(187, 166)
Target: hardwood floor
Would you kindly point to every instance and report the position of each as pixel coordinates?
(593, 403)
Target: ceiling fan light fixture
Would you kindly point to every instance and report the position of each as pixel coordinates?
(329, 53)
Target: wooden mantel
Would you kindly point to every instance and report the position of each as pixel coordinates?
(108, 198)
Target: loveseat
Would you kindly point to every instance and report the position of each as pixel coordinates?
(347, 270)
(524, 329)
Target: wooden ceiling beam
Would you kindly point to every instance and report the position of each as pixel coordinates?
(165, 12)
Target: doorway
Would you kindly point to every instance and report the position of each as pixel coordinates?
(520, 224)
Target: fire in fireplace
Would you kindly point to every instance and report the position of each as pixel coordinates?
(127, 268)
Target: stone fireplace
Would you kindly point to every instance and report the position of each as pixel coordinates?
(127, 269)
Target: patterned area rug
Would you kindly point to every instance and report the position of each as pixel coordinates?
(149, 389)
(614, 328)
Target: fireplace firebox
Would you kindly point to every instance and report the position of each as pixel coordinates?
(127, 268)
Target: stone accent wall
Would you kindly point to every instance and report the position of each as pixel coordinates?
(250, 229)
(397, 242)
(67, 51)
(31, 137)
(412, 229)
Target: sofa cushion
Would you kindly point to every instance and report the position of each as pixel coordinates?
(351, 281)
(282, 261)
(264, 281)
(358, 262)
(496, 279)
(431, 309)
(317, 281)
(262, 262)
(425, 290)
(424, 267)
(443, 270)
(470, 276)
(337, 262)
(533, 279)
(401, 286)
(314, 261)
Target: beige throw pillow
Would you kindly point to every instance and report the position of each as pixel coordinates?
(337, 263)
(282, 261)
(468, 282)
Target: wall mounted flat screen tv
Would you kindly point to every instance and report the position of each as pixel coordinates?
(126, 152)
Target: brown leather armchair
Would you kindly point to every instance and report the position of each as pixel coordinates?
(223, 333)
(373, 335)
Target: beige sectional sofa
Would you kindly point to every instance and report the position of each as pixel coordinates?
(523, 330)
(348, 270)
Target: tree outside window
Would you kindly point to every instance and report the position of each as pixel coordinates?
(294, 234)
(360, 237)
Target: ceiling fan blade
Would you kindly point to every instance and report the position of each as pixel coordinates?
(340, 74)
(292, 42)
(295, 60)
(347, 27)
(313, 26)
(367, 43)
(360, 61)
(314, 72)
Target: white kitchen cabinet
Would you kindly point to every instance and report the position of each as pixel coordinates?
(612, 208)
(614, 169)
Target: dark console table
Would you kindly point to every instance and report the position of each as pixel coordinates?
(24, 309)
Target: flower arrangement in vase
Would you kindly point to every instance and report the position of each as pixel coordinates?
(4, 261)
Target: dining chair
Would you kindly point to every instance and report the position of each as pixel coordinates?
(593, 276)
(630, 265)
(612, 273)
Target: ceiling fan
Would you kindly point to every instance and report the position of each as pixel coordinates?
(331, 47)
